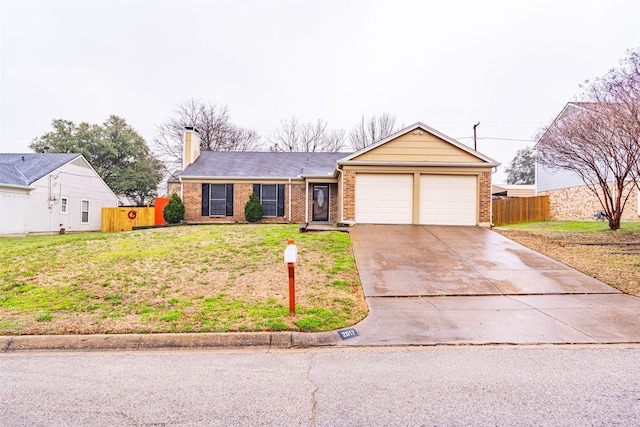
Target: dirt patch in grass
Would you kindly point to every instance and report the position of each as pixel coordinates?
(180, 279)
(603, 254)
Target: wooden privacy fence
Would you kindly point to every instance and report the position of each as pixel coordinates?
(520, 209)
(123, 219)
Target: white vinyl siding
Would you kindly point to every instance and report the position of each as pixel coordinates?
(384, 198)
(448, 200)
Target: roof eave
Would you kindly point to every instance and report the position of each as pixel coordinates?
(240, 178)
(17, 187)
(415, 164)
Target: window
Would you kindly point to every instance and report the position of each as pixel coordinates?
(217, 199)
(85, 211)
(272, 198)
(269, 200)
(63, 205)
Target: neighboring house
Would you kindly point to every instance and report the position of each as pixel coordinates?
(512, 190)
(43, 192)
(415, 176)
(569, 197)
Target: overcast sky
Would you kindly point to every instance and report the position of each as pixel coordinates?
(510, 65)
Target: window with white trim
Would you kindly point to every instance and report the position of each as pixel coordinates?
(85, 212)
(63, 205)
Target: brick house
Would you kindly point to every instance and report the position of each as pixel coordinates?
(415, 176)
(569, 198)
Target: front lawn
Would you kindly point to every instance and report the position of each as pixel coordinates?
(591, 247)
(212, 278)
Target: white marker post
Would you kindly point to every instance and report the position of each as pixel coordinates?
(290, 255)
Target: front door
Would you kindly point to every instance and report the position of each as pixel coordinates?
(320, 210)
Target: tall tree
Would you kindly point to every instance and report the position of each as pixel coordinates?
(601, 141)
(295, 135)
(115, 150)
(217, 133)
(369, 131)
(522, 169)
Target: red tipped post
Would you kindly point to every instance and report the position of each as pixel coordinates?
(290, 255)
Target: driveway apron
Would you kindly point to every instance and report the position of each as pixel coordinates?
(469, 285)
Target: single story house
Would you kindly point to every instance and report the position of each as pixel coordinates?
(415, 176)
(569, 198)
(43, 193)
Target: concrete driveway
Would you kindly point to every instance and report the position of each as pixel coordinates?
(469, 285)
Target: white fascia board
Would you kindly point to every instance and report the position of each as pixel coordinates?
(17, 187)
(418, 164)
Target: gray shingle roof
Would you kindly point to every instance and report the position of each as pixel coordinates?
(24, 169)
(264, 164)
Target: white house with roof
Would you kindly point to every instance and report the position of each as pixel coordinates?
(43, 193)
(569, 197)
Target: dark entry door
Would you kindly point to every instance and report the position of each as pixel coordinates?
(320, 211)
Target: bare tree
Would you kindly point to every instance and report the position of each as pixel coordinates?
(601, 141)
(372, 130)
(217, 133)
(306, 137)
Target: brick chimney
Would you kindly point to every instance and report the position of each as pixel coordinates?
(190, 146)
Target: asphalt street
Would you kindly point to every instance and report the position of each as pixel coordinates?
(391, 386)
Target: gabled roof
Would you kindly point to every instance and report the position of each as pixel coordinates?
(425, 128)
(569, 109)
(25, 169)
(261, 164)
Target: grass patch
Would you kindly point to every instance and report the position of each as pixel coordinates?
(587, 246)
(178, 279)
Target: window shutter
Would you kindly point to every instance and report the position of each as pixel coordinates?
(256, 190)
(280, 199)
(229, 200)
(205, 199)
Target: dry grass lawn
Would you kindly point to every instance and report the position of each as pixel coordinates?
(610, 256)
(181, 279)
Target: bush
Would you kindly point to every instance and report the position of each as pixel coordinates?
(253, 210)
(173, 212)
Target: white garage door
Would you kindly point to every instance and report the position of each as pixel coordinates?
(384, 199)
(448, 200)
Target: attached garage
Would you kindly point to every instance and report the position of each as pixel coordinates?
(416, 176)
(384, 198)
(448, 199)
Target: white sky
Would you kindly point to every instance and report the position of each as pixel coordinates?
(511, 65)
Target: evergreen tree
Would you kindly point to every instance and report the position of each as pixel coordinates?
(253, 210)
(173, 212)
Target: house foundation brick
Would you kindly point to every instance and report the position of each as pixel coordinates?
(580, 204)
(484, 214)
(192, 198)
(349, 196)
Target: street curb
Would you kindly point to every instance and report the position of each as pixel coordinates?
(106, 342)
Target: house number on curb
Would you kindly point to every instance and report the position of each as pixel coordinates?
(345, 334)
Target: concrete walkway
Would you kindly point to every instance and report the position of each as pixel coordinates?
(469, 285)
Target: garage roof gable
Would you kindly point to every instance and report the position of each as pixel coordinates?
(419, 143)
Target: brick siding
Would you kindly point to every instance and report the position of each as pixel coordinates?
(192, 199)
(484, 215)
(580, 204)
(349, 195)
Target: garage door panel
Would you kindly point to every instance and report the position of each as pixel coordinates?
(448, 199)
(384, 198)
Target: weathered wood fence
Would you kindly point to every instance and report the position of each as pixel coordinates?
(123, 219)
(520, 209)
